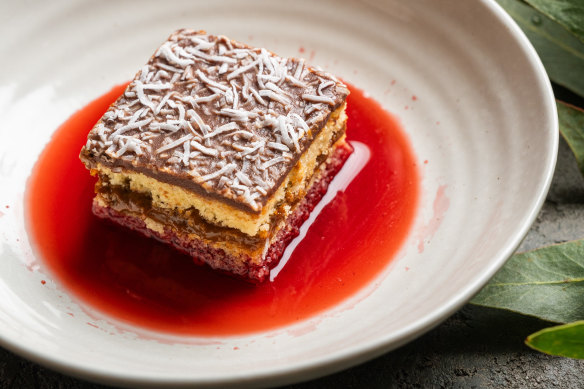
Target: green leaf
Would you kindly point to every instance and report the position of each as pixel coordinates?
(561, 52)
(568, 13)
(572, 129)
(547, 283)
(565, 340)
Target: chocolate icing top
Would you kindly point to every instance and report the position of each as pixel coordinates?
(216, 116)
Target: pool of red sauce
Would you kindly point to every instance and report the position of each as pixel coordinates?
(145, 283)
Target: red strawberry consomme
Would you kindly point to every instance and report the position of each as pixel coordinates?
(143, 282)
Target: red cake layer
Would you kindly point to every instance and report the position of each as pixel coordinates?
(217, 258)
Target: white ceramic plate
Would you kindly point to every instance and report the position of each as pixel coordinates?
(484, 118)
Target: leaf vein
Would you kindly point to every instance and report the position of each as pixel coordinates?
(555, 282)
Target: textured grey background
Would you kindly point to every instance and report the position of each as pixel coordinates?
(477, 347)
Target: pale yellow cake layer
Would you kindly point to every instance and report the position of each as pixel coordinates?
(169, 196)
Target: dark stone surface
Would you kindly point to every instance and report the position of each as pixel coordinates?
(475, 348)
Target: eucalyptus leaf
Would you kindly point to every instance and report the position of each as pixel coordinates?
(565, 340)
(561, 52)
(547, 283)
(568, 13)
(572, 129)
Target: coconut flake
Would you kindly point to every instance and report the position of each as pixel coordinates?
(222, 129)
(318, 99)
(203, 149)
(195, 116)
(273, 162)
(243, 178)
(239, 115)
(212, 58)
(208, 81)
(201, 43)
(171, 69)
(241, 70)
(224, 170)
(324, 85)
(172, 145)
(274, 96)
(296, 82)
(278, 146)
(257, 96)
(166, 51)
(129, 127)
(299, 68)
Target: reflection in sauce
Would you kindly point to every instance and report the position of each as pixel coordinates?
(145, 283)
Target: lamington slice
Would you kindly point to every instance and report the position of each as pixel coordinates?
(219, 149)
